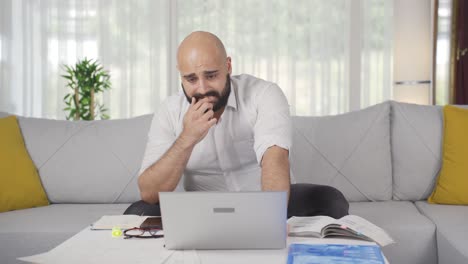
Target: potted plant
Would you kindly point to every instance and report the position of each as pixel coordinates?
(86, 79)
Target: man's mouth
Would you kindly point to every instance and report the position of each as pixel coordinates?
(209, 98)
(212, 99)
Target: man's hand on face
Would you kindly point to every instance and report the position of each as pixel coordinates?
(197, 121)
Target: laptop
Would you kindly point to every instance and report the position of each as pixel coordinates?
(224, 220)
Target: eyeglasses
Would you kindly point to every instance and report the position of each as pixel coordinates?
(149, 232)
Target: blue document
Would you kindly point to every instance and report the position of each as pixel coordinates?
(334, 254)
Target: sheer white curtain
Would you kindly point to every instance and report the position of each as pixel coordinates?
(128, 37)
(329, 57)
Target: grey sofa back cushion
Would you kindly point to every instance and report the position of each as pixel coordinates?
(87, 161)
(350, 152)
(417, 138)
(416, 149)
(3, 114)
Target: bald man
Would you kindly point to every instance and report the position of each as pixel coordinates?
(223, 133)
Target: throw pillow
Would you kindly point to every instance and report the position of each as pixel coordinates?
(20, 185)
(452, 184)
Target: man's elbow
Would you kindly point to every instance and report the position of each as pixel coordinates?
(149, 197)
(146, 194)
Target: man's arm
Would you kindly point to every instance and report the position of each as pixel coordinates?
(164, 174)
(275, 170)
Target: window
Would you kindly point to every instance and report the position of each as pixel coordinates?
(329, 57)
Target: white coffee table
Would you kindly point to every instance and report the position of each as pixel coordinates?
(98, 246)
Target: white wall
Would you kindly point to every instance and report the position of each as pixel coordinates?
(413, 50)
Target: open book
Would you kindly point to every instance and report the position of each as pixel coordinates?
(350, 226)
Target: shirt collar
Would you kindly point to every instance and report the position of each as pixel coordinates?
(232, 100)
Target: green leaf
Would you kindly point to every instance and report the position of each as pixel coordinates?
(69, 77)
(82, 77)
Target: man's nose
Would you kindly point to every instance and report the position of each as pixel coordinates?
(202, 86)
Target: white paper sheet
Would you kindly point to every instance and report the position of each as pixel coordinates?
(120, 221)
(98, 246)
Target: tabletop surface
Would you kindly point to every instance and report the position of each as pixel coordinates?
(98, 246)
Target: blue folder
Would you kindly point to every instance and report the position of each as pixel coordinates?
(334, 254)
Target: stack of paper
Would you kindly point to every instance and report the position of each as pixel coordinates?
(118, 221)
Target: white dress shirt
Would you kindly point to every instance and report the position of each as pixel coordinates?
(255, 118)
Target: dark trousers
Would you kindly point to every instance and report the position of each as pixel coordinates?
(304, 200)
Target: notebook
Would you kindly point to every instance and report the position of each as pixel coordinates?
(224, 220)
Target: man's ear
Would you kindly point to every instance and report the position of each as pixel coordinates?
(228, 64)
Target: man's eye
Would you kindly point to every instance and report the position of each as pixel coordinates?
(191, 80)
(211, 76)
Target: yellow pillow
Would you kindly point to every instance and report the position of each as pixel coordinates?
(452, 185)
(20, 185)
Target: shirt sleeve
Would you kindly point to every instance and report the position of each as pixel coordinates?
(161, 136)
(273, 124)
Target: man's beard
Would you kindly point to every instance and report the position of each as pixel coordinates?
(222, 98)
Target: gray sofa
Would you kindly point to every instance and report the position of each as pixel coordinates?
(385, 159)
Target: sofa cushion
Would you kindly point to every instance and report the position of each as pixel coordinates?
(38, 230)
(65, 218)
(452, 183)
(413, 233)
(416, 140)
(87, 161)
(416, 149)
(20, 185)
(350, 152)
(452, 230)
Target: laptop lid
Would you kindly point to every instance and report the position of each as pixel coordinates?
(224, 220)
